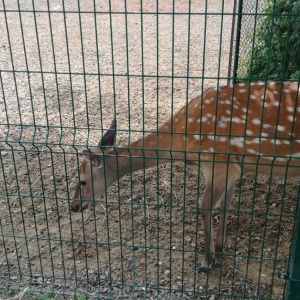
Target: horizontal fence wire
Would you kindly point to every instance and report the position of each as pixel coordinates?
(67, 70)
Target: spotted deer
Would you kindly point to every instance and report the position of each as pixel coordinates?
(229, 130)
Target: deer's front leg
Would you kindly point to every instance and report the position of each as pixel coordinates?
(217, 183)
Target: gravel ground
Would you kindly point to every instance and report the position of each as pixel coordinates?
(147, 244)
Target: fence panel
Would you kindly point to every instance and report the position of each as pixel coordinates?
(67, 69)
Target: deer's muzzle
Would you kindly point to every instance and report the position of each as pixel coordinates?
(78, 205)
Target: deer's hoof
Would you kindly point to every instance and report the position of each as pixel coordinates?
(202, 268)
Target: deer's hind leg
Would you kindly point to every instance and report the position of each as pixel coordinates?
(225, 206)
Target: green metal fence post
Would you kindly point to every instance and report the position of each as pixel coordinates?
(293, 286)
(238, 39)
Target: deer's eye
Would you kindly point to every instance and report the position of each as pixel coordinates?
(83, 183)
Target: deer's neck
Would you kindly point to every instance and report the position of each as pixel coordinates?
(141, 154)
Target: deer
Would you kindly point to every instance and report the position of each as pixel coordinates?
(228, 131)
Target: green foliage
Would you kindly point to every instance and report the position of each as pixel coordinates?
(46, 297)
(276, 53)
(30, 291)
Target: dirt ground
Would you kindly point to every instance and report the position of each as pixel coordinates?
(145, 239)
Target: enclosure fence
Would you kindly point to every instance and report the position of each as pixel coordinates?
(68, 69)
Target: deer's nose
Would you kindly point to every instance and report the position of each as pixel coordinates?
(77, 206)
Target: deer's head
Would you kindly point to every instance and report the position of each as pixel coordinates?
(95, 175)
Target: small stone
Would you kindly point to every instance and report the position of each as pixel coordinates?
(167, 272)
(188, 239)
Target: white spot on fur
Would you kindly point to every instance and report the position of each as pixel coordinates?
(291, 118)
(268, 157)
(280, 128)
(242, 84)
(190, 120)
(290, 109)
(222, 138)
(265, 104)
(275, 92)
(238, 141)
(280, 159)
(256, 121)
(287, 91)
(276, 103)
(211, 149)
(244, 109)
(256, 141)
(204, 119)
(242, 90)
(236, 120)
(176, 119)
(227, 102)
(252, 151)
(253, 97)
(249, 132)
(196, 137)
(222, 123)
(266, 126)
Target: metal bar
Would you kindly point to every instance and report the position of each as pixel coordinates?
(231, 41)
(238, 40)
(293, 284)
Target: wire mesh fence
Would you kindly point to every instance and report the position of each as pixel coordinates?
(67, 69)
(249, 16)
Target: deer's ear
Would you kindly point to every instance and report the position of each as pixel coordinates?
(108, 139)
(95, 159)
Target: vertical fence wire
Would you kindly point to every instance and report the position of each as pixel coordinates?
(67, 70)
